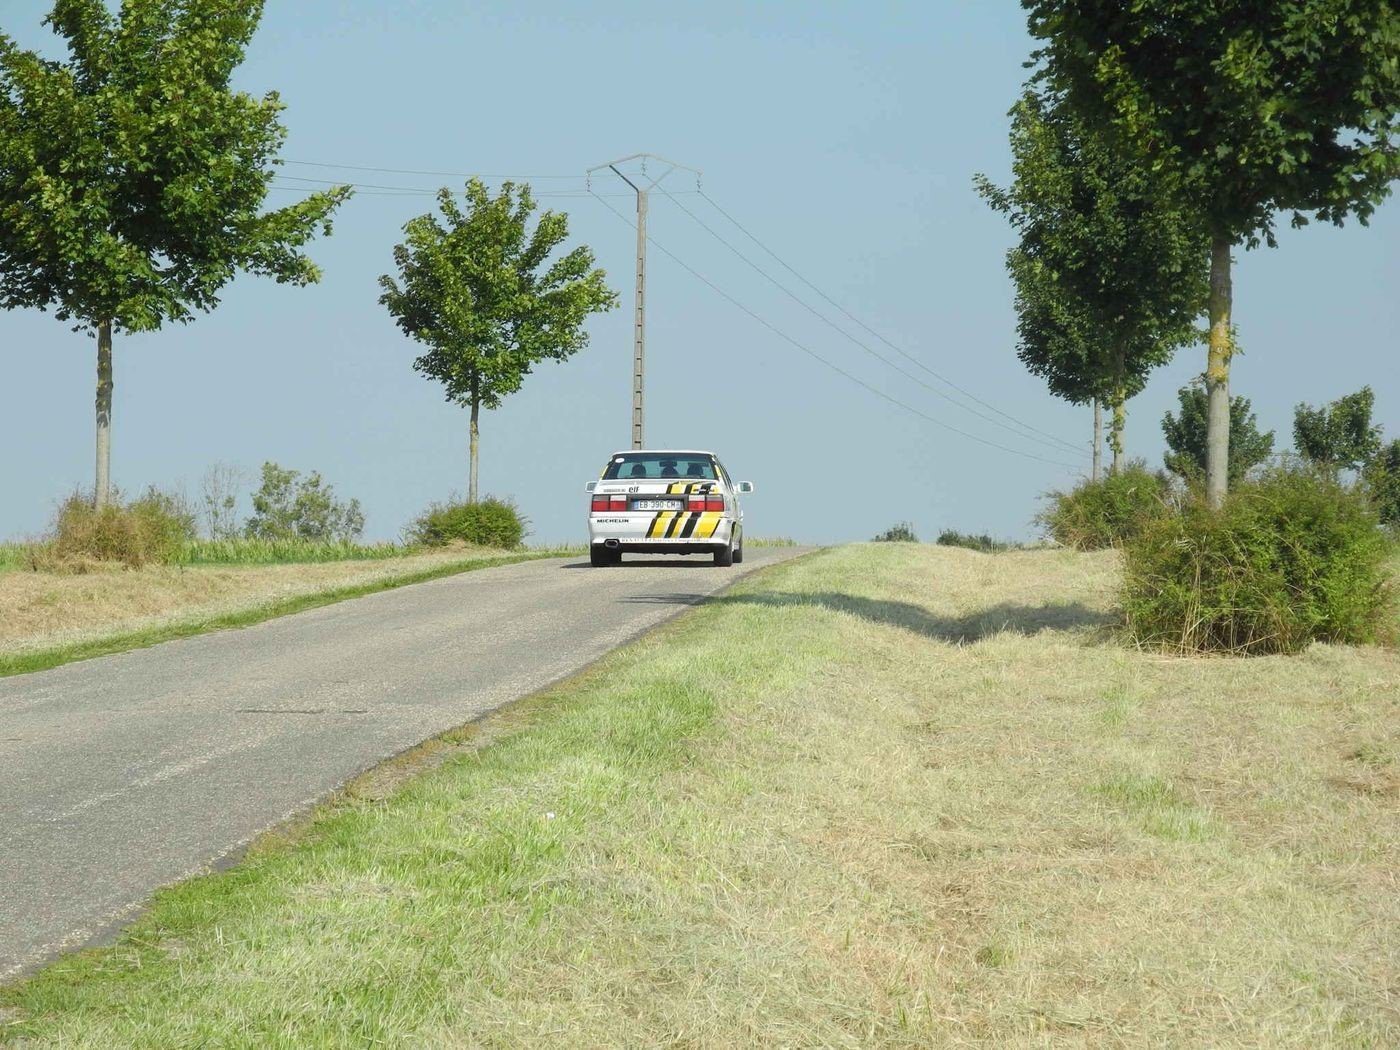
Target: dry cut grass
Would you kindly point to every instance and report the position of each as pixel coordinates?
(44, 610)
(889, 795)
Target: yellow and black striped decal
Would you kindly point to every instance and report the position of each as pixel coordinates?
(679, 524)
(686, 488)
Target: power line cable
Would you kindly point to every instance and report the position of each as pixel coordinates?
(1025, 430)
(384, 190)
(425, 190)
(897, 349)
(829, 364)
(413, 171)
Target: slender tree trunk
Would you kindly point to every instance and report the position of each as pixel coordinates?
(1115, 434)
(102, 488)
(1218, 375)
(475, 442)
(1098, 439)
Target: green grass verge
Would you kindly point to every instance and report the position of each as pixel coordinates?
(43, 659)
(274, 552)
(286, 552)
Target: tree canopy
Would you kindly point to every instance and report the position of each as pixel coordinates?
(132, 174)
(1339, 435)
(483, 292)
(1246, 109)
(1249, 107)
(1185, 434)
(1110, 274)
(288, 506)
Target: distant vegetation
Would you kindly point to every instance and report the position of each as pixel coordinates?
(295, 520)
(288, 506)
(1341, 438)
(769, 541)
(975, 541)
(900, 532)
(1340, 435)
(1186, 432)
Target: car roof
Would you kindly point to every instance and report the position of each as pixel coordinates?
(662, 452)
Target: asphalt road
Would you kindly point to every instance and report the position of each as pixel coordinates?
(126, 773)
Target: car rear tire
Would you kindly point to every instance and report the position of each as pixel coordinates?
(724, 557)
(739, 550)
(599, 556)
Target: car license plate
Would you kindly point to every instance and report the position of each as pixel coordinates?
(658, 504)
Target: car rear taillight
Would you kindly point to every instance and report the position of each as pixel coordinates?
(600, 503)
(695, 503)
(604, 504)
(714, 503)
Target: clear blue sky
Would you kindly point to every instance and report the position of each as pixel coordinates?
(844, 135)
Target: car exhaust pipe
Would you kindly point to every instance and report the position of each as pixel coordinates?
(612, 545)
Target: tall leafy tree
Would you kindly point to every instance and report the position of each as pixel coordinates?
(1185, 433)
(1110, 276)
(1340, 435)
(1247, 108)
(480, 290)
(132, 175)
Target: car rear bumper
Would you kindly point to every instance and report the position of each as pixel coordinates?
(674, 532)
(663, 547)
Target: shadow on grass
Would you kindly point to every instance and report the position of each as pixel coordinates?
(960, 630)
(674, 561)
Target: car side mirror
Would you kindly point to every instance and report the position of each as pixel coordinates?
(746, 486)
(590, 486)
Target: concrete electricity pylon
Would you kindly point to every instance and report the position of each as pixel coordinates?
(643, 183)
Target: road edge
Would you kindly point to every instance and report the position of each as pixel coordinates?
(127, 641)
(392, 772)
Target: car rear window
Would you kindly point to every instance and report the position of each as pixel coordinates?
(628, 465)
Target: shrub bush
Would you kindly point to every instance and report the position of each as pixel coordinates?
(288, 506)
(167, 522)
(1291, 558)
(974, 541)
(1107, 513)
(153, 528)
(900, 532)
(490, 522)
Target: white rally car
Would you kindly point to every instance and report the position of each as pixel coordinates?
(665, 502)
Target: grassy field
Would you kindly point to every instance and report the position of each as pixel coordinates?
(885, 795)
(51, 618)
